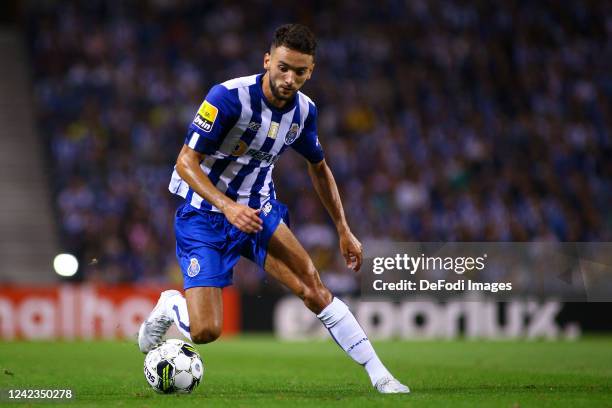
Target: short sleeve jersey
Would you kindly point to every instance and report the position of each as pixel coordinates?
(242, 136)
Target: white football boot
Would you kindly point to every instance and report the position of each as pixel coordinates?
(389, 385)
(157, 324)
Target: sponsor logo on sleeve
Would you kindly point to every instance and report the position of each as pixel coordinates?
(206, 116)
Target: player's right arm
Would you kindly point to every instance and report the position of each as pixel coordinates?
(215, 116)
(188, 167)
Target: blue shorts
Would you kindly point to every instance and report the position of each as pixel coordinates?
(208, 246)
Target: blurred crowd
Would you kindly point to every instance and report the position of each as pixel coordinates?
(442, 120)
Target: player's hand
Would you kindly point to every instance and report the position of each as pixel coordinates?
(243, 217)
(351, 250)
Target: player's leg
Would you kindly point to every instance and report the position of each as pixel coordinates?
(289, 262)
(157, 323)
(205, 312)
(206, 263)
(198, 316)
(207, 257)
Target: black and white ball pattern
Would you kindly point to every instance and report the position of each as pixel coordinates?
(173, 366)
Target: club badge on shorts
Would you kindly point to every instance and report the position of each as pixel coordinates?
(194, 267)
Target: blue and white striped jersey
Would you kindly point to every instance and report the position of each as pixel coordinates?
(242, 136)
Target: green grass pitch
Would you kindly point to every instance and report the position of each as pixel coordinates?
(263, 372)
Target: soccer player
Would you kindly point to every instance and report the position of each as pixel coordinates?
(224, 173)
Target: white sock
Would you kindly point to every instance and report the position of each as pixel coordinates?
(176, 306)
(349, 335)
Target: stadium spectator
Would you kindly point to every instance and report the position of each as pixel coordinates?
(442, 120)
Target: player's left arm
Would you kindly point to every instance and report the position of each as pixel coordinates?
(307, 144)
(327, 190)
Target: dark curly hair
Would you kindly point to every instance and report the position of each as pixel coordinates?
(297, 37)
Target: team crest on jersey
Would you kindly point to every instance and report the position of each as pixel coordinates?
(194, 267)
(206, 116)
(292, 133)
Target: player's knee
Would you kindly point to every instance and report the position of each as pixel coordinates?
(316, 297)
(307, 283)
(309, 289)
(205, 334)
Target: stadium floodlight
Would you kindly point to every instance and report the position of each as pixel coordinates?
(65, 264)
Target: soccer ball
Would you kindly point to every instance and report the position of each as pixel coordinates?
(173, 366)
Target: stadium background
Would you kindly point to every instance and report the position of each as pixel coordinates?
(442, 121)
